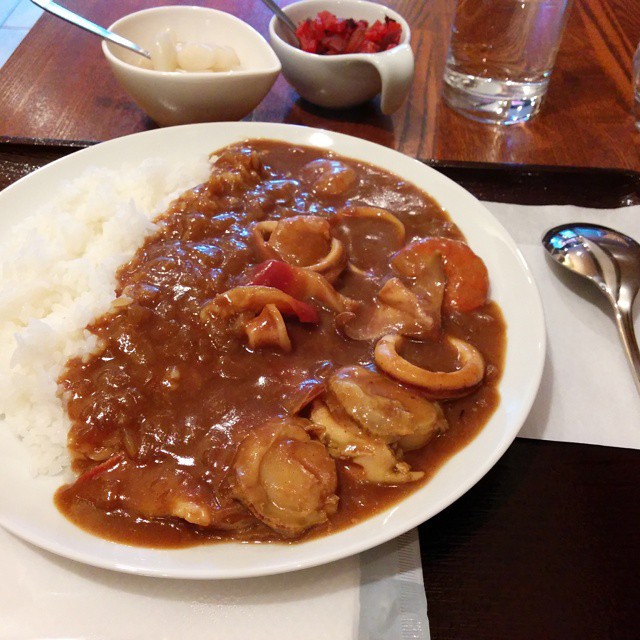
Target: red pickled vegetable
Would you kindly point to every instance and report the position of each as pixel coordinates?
(326, 34)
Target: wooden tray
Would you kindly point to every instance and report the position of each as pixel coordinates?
(523, 184)
(547, 544)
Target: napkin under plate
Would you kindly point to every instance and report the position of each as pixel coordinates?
(587, 394)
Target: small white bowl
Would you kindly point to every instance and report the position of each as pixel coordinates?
(346, 80)
(178, 97)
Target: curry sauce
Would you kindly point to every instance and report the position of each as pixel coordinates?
(160, 411)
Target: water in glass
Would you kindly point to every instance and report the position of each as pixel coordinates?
(501, 56)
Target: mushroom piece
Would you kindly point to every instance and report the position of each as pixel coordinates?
(268, 330)
(437, 384)
(397, 295)
(427, 280)
(285, 479)
(384, 409)
(301, 284)
(255, 299)
(399, 309)
(376, 461)
(305, 393)
(302, 241)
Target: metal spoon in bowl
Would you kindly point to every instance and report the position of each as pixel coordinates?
(612, 261)
(87, 25)
(284, 18)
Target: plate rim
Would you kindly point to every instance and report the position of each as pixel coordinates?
(275, 131)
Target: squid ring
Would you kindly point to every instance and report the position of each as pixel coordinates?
(255, 299)
(261, 232)
(330, 266)
(439, 384)
(374, 212)
(335, 259)
(357, 270)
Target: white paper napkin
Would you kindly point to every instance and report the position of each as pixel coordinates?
(43, 596)
(587, 393)
(378, 595)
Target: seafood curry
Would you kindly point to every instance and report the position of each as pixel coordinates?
(301, 344)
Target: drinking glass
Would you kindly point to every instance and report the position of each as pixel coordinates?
(636, 88)
(501, 56)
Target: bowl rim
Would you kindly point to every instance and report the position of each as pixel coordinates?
(405, 40)
(189, 76)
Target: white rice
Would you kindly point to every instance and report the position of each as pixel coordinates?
(57, 273)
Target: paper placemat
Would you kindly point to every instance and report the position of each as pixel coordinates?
(587, 394)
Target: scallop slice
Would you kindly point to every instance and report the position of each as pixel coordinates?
(384, 409)
(376, 460)
(284, 478)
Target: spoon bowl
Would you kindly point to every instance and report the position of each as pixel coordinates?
(609, 259)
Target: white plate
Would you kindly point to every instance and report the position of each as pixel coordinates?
(26, 506)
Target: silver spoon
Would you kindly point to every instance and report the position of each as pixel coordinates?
(87, 25)
(612, 261)
(284, 18)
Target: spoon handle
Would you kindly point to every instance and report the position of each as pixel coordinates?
(87, 25)
(624, 321)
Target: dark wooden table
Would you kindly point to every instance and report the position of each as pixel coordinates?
(547, 545)
(57, 85)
